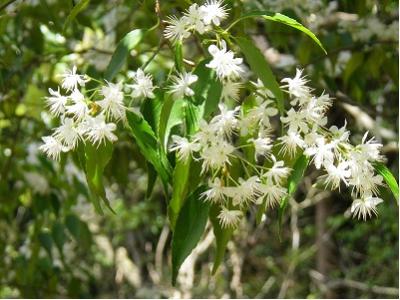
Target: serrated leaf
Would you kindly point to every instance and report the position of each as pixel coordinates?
(79, 7)
(149, 146)
(280, 18)
(222, 237)
(190, 226)
(261, 68)
(389, 179)
(297, 174)
(97, 159)
(125, 45)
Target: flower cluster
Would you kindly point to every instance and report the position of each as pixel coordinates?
(243, 162)
(196, 19)
(80, 117)
(330, 149)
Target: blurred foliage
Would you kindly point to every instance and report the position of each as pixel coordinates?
(53, 244)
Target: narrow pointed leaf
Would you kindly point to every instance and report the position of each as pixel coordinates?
(189, 228)
(125, 45)
(149, 146)
(79, 7)
(389, 179)
(297, 174)
(97, 159)
(180, 180)
(261, 68)
(222, 237)
(280, 18)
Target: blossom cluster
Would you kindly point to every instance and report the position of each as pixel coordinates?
(79, 116)
(242, 135)
(197, 18)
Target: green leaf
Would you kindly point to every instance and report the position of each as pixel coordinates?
(389, 178)
(149, 146)
(151, 110)
(58, 235)
(171, 115)
(178, 56)
(293, 181)
(356, 60)
(125, 45)
(46, 241)
(192, 116)
(151, 179)
(190, 226)
(79, 230)
(97, 159)
(212, 98)
(280, 18)
(82, 4)
(222, 237)
(261, 68)
(180, 180)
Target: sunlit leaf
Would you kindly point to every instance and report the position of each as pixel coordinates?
(125, 45)
(280, 18)
(261, 68)
(389, 178)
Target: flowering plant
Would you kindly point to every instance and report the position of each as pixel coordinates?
(217, 132)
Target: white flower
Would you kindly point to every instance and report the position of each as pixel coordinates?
(224, 62)
(113, 101)
(277, 172)
(208, 133)
(272, 193)
(297, 87)
(262, 112)
(322, 152)
(338, 173)
(56, 102)
(52, 147)
(195, 18)
(370, 149)
(365, 182)
(295, 120)
(245, 192)
(177, 29)
(181, 85)
(226, 121)
(339, 135)
(216, 156)
(214, 12)
(67, 133)
(229, 218)
(142, 86)
(363, 208)
(79, 108)
(290, 142)
(231, 90)
(262, 145)
(98, 131)
(71, 80)
(216, 191)
(184, 147)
